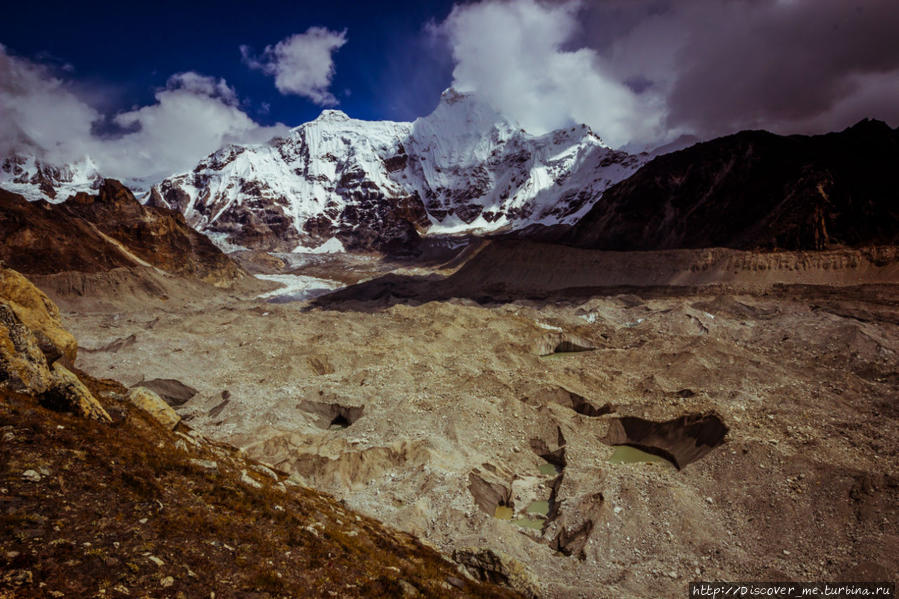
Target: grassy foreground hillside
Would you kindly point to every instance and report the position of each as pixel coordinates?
(107, 494)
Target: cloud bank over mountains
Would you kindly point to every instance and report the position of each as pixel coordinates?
(646, 71)
(192, 116)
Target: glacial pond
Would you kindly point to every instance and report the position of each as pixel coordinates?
(625, 454)
(504, 512)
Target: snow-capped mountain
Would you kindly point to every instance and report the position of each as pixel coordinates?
(36, 179)
(378, 185)
(338, 183)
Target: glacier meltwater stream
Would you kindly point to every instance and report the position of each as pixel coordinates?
(297, 288)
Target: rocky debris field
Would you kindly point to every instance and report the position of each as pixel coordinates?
(769, 411)
(106, 492)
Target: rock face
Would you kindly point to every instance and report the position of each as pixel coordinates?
(36, 312)
(96, 233)
(155, 406)
(22, 365)
(756, 190)
(68, 393)
(341, 183)
(497, 568)
(32, 344)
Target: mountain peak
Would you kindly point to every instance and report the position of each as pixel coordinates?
(333, 116)
(450, 96)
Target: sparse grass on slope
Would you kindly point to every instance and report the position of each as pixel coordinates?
(93, 510)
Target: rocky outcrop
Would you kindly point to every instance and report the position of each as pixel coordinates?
(97, 233)
(155, 406)
(32, 346)
(756, 190)
(68, 394)
(498, 568)
(23, 366)
(157, 236)
(36, 312)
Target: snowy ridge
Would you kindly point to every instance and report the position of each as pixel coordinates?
(343, 184)
(367, 185)
(36, 179)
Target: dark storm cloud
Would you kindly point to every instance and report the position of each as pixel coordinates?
(787, 65)
(644, 72)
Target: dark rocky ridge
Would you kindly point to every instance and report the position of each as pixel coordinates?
(756, 190)
(96, 233)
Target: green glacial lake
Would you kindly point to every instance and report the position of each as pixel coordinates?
(550, 469)
(506, 513)
(503, 512)
(625, 454)
(540, 508)
(533, 523)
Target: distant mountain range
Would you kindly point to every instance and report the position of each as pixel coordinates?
(341, 184)
(365, 185)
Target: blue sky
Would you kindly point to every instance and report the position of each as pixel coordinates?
(130, 49)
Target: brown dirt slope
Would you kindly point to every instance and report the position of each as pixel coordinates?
(756, 190)
(510, 269)
(136, 503)
(104, 492)
(96, 233)
(87, 507)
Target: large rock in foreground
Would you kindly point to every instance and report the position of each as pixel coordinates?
(155, 406)
(33, 344)
(39, 314)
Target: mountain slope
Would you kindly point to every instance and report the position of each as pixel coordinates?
(756, 190)
(128, 500)
(96, 233)
(363, 185)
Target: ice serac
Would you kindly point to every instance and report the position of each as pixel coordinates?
(380, 185)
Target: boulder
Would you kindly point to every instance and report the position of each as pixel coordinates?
(498, 568)
(68, 394)
(155, 406)
(37, 312)
(23, 367)
(33, 345)
(174, 392)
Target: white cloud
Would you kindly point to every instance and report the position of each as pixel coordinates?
(515, 55)
(37, 111)
(192, 116)
(201, 84)
(302, 64)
